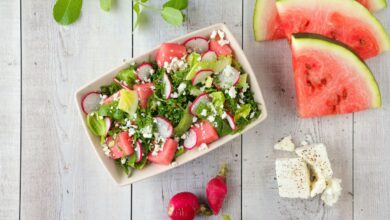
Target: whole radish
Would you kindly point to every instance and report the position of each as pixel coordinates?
(217, 190)
(185, 206)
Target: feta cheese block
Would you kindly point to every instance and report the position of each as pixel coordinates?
(293, 178)
(285, 144)
(316, 156)
(332, 192)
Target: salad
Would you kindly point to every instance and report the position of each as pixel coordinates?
(190, 96)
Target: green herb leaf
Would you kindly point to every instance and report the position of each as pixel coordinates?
(105, 5)
(172, 16)
(96, 124)
(66, 12)
(178, 4)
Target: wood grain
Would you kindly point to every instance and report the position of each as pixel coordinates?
(272, 63)
(193, 176)
(61, 176)
(372, 145)
(10, 109)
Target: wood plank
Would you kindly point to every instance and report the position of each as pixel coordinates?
(371, 145)
(10, 112)
(156, 192)
(272, 62)
(61, 176)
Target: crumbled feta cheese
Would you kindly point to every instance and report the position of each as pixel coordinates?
(174, 164)
(211, 118)
(174, 95)
(285, 144)
(102, 99)
(245, 87)
(194, 119)
(131, 131)
(241, 101)
(123, 160)
(224, 115)
(204, 112)
(203, 147)
(153, 87)
(175, 64)
(147, 131)
(106, 150)
(151, 71)
(184, 136)
(332, 191)
(232, 92)
(293, 178)
(158, 103)
(252, 115)
(181, 87)
(213, 35)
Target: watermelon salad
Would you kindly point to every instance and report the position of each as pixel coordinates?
(346, 21)
(190, 96)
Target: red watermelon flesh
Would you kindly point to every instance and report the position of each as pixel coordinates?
(330, 79)
(345, 21)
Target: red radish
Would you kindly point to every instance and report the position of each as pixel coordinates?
(205, 133)
(209, 56)
(201, 76)
(191, 139)
(144, 91)
(202, 98)
(125, 142)
(185, 206)
(216, 190)
(230, 120)
(121, 83)
(144, 71)
(165, 128)
(229, 77)
(224, 50)
(138, 151)
(168, 51)
(113, 97)
(90, 102)
(167, 154)
(108, 122)
(197, 44)
(167, 86)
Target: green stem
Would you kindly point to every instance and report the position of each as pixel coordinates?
(147, 6)
(223, 170)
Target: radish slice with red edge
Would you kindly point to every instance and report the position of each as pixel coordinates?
(203, 98)
(121, 83)
(197, 44)
(167, 86)
(229, 77)
(209, 56)
(138, 151)
(164, 127)
(144, 71)
(230, 120)
(191, 139)
(108, 122)
(201, 76)
(90, 102)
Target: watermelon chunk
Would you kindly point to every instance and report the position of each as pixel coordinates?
(165, 156)
(346, 21)
(205, 133)
(144, 91)
(330, 78)
(267, 24)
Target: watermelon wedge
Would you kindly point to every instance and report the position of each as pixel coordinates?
(267, 24)
(343, 20)
(330, 78)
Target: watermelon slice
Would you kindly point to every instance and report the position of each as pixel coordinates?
(346, 21)
(266, 21)
(330, 78)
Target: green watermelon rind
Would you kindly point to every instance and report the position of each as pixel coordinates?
(259, 29)
(378, 5)
(352, 9)
(333, 47)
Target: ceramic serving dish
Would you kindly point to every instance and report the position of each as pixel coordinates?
(153, 169)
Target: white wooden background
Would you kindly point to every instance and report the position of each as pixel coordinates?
(49, 171)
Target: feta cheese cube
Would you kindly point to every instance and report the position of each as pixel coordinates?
(285, 144)
(293, 178)
(316, 157)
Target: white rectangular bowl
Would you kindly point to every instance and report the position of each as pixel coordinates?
(153, 169)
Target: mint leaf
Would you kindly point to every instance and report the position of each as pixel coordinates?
(178, 4)
(172, 16)
(105, 5)
(66, 12)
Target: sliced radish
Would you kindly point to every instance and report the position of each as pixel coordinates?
(230, 119)
(201, 76)
(108, 122)
(144, 71)
(90, 102)
(229, 77)
(138, 151)
(167, 86)
(209, 56)
(121, 83)
(191, 139)
(165, 128)
(197, 44)
(203, 98)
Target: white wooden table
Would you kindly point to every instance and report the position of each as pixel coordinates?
(49, 171)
